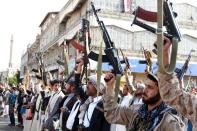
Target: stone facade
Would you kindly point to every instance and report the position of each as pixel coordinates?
(58, 27)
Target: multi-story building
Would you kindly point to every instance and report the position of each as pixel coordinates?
(24, 65)
(29, 62)
(58, 28)
(130, 39)
(51, 31)
(32, 61)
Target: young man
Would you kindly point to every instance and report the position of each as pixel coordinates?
(124, 102)
(19, 106)
(172, 94)
(12, 100)
(36, 108)
(153, 115)
(1, 99)
(39, 103)
(52, 111)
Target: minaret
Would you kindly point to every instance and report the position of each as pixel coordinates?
(11, 51)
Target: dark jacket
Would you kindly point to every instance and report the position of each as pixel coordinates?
(66, 114)
(45, 103)
(79, 89)
(20, 100)
(98, 121)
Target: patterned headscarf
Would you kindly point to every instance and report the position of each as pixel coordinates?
(154, 115)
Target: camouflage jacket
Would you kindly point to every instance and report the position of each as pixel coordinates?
(126, 115)
(183, 102)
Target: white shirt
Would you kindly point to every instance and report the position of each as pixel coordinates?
(73, 113)
(64, 106)
(125, 100)
(90, 110)
(137, 102)
(53, 101)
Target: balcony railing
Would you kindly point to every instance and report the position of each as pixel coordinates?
(54, 41)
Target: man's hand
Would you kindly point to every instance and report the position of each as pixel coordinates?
(24, 106)
(110, 84)
(80, 63)
(166, 51)
(62, 109)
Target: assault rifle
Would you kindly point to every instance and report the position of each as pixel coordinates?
(181, 72)
(40, 72)
(169, 20)
(147, 61)
(110, 50)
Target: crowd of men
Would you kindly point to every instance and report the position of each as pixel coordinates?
(157, 104)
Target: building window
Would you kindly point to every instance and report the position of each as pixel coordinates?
(114, 6)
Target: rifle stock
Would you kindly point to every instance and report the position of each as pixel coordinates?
(148, 27)
(146, 15)
(77, 45)
(169, 18)
(164, 11)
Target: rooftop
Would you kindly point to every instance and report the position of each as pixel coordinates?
(47, 15)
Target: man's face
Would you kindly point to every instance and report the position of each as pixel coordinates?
(56, 87)
(150, 94)
(13, 89)
(139, 92)
(125, 90)
(91, 90)
(67, 88)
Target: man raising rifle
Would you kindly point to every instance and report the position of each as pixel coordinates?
(171, 93)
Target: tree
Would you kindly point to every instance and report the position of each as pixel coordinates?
(14, 80)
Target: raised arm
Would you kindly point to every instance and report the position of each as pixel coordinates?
(78, 83)
(173, 95)
(114, 113)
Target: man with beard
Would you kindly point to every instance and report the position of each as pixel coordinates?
(153, 115)
(67, 103)
(93, 114)
(91, 117)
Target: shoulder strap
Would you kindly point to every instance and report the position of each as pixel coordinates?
(99, 106)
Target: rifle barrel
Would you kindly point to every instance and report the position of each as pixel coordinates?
(106, 36)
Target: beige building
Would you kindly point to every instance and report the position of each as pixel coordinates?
(29, 62)
(58, 27)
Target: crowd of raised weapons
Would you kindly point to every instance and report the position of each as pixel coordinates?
(33, 104)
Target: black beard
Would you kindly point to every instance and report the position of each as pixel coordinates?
(153, 100)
